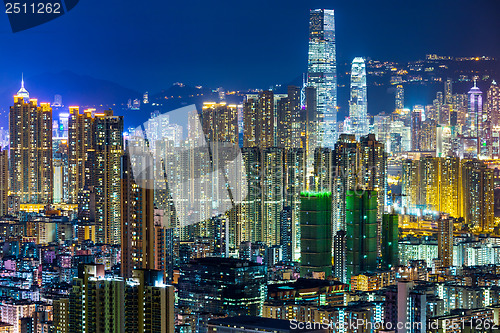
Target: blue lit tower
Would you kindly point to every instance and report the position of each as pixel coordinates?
(474, 119)
(358, 102)
(322, 72)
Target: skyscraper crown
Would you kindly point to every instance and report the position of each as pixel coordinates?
(23, 92)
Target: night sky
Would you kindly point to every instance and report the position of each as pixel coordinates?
(148, 45)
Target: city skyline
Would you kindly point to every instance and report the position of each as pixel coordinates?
(206, 209)
(248, 70)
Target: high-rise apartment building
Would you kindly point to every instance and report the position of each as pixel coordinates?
(339, 255)
(273, 185)
(30, 128)
(477, 195)
(251, 226)
(433, 182)
(220, 122)
(295, 184)
(81, 141)
(105, 172)
(137, 217)
(493, 103)
(4, 181)
(140, 304)
(322, 72)
(345, 176)
(372, 174)
(445, 240)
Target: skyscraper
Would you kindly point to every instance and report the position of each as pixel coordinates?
(30, 128)
(372, 174)
(80, 142)
(358, 102)
(273, 182)
(316, 233)
(400, 98)
(416, 127)
(261, 120)
(339, 255)
(286, 231)
(345, 176)
(493, 102)
(252, 229)
(137, 218)
(4, 181)
(296, 181)
(474, 123)
(105, 173)
(477, 195)
(322, 72)
(448, 91)
(445, 240)
(295, 123)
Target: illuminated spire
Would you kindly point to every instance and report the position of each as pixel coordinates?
(23, 92)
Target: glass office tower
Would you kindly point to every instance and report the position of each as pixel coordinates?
(322, 72)
(358, 103)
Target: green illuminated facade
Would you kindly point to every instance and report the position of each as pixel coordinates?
(361, 229)
(389, 242)
(316, 232)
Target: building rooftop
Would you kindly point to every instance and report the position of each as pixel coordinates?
(260, 323)
(303, 284)
(223, 262)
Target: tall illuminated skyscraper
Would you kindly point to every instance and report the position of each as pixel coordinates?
(400, 98)
(477, 195)
(4, 181)
(474, 118)
(296, 180)
(294, 120)
(273, 181)
(31, 149)
(345, 173)
(80, 142)
(475, 110)
(105, 172)
(137, 217)
(493, 101)
(358, 103)
(261, 120)
(445, 240)
(448, 92)
(252, 205)
(322, 72)
(416, 127)
(372, 174)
